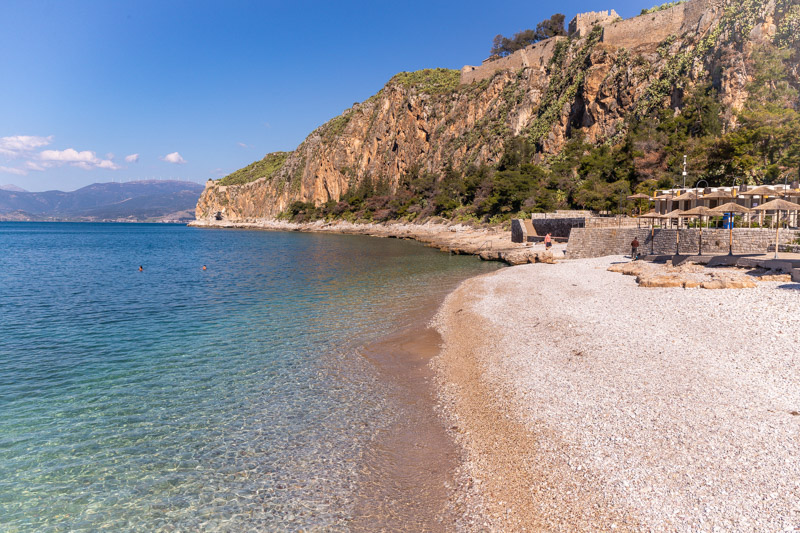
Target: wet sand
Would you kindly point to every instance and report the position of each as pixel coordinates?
(407, 471)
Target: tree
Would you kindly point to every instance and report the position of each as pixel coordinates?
(503, 46)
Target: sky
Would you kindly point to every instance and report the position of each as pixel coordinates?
(98, 91)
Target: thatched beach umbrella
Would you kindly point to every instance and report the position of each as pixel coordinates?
(718, 195)
(778, 205)
(639, 196)
(731, 208)
(675, 213)
(652, 215)
(763, 191)
(700, 211)
(687, 196)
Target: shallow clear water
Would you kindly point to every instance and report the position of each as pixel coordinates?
(229, 399)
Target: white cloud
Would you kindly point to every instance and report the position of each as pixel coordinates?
(18, 145)
(17, 171)
(34, 166)
(133, 158)
(243, 145)
(86, 159)
(174, 157)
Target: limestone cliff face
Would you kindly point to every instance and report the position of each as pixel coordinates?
(431, 119)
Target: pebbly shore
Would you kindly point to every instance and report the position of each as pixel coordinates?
(490, 244)
(583, 402)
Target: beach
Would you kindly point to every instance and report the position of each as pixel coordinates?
(582, 402)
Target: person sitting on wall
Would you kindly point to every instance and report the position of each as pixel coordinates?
(634, 249)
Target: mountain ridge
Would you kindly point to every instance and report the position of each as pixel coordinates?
(142, 200)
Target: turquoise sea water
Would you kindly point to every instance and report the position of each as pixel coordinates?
(177, 399)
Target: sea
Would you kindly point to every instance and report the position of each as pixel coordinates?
(176, 398)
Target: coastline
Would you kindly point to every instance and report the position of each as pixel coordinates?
(490, 244)
(582, 402)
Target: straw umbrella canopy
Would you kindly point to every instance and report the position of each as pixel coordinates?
(777, 205)
(685, 196)
(731, 207)
(718, 195)
(639, 196)
(760, 191)
(675, 213)
(651, 214)
(699, 211)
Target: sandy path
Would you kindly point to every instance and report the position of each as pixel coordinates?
(586, 403)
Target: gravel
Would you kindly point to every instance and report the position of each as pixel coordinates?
(631, 408)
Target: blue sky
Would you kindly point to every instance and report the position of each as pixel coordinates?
(95, 91)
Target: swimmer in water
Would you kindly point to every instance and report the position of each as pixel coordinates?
(204, 267)
(141, 269)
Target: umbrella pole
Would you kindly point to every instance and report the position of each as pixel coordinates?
(777, 233)
(652, 235)
(730, 235)
(701, 238)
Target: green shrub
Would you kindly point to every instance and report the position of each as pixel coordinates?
(263, 168)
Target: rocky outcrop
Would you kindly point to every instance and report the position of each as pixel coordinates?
(688, 276)
(427, 121)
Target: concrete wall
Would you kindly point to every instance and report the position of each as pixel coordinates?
(598, 242)
(534, 56)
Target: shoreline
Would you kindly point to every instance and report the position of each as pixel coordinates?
(490, 244)
(582, 402)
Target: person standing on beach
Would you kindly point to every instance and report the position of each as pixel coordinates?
(548, 241)
(634, 249)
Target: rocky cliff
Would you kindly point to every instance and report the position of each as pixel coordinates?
(595, 82)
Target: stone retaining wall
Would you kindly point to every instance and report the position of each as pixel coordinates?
(557, 227)
(597, 242)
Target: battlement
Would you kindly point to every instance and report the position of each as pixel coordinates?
(582, 24)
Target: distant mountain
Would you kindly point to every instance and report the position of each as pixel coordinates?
(135, 201)
(11, 187)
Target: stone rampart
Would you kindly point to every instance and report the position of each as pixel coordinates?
(694, 16)
(598, 242)
(536, 55)
(645, 29)
(582, 24)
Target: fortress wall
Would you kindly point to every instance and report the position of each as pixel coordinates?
(698, 15)
(645, 29)
(534, 56)
(582, 24)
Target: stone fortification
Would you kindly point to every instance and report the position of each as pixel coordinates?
(582, 24)
(597, 242)
(694, 16)
(691, 17)
(534, 56)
